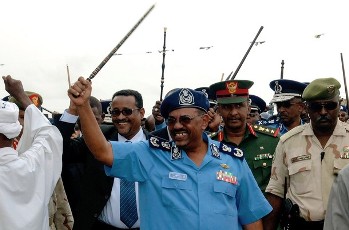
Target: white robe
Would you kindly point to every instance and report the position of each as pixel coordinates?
(29, 176)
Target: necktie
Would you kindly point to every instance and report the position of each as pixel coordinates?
(128, 207)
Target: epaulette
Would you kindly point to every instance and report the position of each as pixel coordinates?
(266, 130)
(156, 142)
(292, 132)
(231, 150)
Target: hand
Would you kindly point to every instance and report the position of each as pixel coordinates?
(80, 92)
(157, 114)
(215, 120)
(15, 89)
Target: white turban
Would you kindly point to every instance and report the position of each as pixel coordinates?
(9, 124)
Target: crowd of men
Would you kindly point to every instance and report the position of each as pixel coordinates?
(213, 157)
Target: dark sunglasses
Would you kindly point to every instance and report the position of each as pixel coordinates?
(125, 112)
(317, 106)
(285, 104)
(184, 120)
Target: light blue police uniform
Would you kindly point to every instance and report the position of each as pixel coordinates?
(175, 193)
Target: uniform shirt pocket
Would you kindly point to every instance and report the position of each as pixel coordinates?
(301, 177)
(224, 198)
(176, 192)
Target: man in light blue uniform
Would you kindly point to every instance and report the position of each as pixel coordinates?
(191, 182)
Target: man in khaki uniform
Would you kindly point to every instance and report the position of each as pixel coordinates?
(309, 157)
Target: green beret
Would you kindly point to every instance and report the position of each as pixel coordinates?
(234, 91)
(321, 89)
(34, 97)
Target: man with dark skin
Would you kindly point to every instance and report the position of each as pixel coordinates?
(309, 157)
(289, 104)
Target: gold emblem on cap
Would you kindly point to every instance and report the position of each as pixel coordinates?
(330, 89)
(232, 86)
(225, 166)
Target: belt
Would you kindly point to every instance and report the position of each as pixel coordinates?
(100, 225)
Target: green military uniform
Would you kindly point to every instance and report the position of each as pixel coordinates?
(258, 144)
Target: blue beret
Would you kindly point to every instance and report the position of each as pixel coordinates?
(208, 93)
(184, 98)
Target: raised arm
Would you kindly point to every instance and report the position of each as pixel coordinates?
(15, 89)
(79, 94)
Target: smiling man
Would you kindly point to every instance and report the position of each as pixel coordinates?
(192, 182)
(309, 157)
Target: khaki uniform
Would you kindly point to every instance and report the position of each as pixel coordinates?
(61, 217)
(298, 157)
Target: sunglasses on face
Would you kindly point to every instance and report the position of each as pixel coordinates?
(285, 104)
(184, 119)
(317, 106)
(125, 112)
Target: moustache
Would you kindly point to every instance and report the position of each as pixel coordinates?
(119, 120)
(323, 118)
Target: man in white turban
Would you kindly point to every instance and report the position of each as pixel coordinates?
(27, 177)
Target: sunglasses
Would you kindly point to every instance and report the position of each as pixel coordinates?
(184, 120)
(125, 112)
(317, 106)
(285, 104)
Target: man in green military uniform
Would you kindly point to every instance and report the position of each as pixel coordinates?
(257, 142)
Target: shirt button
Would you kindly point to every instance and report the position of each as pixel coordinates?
(264, 164)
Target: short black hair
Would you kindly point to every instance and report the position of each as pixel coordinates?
(95, 103)
(130, 92)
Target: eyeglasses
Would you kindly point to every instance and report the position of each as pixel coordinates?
(125, 112)
(317, 106)
(285, 104)
(184, 119)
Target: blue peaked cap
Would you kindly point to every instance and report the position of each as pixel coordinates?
(184, 98)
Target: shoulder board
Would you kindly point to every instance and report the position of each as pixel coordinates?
(231, 150)
(292, 132)
(158, 143)
(266, 130)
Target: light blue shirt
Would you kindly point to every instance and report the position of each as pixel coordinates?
(177, 194)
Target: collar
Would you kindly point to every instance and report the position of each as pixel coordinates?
(7, 154)
(339, 130)
(140, 136)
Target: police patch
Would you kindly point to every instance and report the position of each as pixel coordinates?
(215, 151)
(176, 153)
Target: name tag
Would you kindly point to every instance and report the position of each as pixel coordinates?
(177, 176)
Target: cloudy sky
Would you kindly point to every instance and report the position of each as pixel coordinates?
(40, 38)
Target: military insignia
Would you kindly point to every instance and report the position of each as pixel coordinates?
(346, 149)
(345, 155)
(154, 141)
(238, 152)
(266, 130)
(261, 147)
(176, 153)
(232, 86)
(232, 151)
(277, 88)
(263, 156)
(215, 151)
(166, 145)
(204, 92)
(300, 158)
(226, 176)
(330, 89)
(226, 148)
(225, 166)
(186, 97)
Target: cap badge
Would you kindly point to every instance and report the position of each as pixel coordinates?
(330, 89)
(277, 88)
(186, 97)
(204, 92)
(232, 86)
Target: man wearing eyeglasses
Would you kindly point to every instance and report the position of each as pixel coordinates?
(190, 183)
(309, 157)
(108, 203)
(289, 104)
(257, 142)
